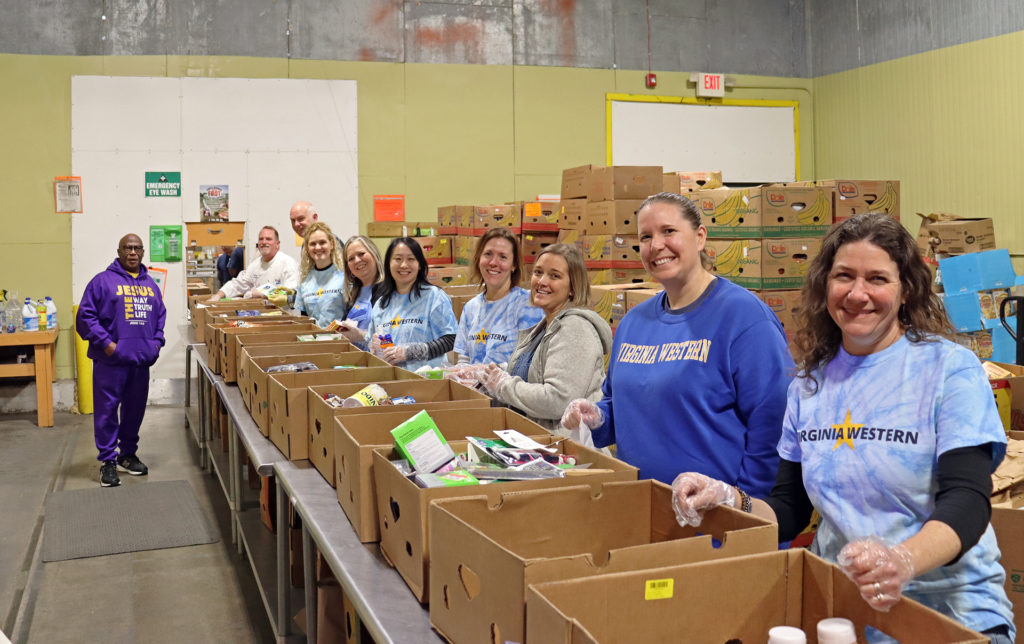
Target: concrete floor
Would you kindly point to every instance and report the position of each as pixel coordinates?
(202, 593)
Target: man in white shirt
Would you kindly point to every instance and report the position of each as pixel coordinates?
(272, 267)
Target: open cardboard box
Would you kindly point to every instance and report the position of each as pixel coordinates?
(213, 324)
(356, 436)
(733, 599)
(1009, 526)
(246, 374)
(229, 346)
(479, 588)
(287, 414)
(428, 394)
(259, 398)
(201, 311)
(402, 506)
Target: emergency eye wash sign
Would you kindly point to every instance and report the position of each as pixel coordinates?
(163, 184)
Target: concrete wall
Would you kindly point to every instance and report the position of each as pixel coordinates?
(763, 37)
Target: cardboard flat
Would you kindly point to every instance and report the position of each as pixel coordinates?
(429, 394)
(245, 375)
(259, 393)
(287, 414)
(356, 436)
(733, 599)
(403, 507)
(535, 536)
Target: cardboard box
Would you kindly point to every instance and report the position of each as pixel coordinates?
(447, 222)
(633, 276)
(571, 236)
(597, 250)
(201, 311)
(484, 217)
(785, 305)
(449, 275)
(534, 242)
(766, 211)
(281, 335)
(738, 260)
(355, 438)
(227, 343)
(504, 548)
(636, 296)
(575, 181)
(1009, 526)
(287, 395)
(402, 506)
(399, 228)
(429, 394)
(609, 300)
(463, 249)
(949, 235)
(459, 302)
(854, 197)
(1016, 382)
(246, 372)
(540, 216)
(726, 600)
(599, 276)
(215, 338)
(980, 271)
(624, 182)
(572, 214)
(685, 182)
(437, 250)
(268, 502)
(625, 251)
(608, 217)
(259, 393)
(784, 262)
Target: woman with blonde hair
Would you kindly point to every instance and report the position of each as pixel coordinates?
(321, 293)
(364, 276)
(562, 357)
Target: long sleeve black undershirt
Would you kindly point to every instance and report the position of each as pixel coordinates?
(961, 502)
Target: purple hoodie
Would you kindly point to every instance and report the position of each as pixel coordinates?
(117, 307)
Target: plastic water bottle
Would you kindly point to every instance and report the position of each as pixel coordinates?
(14, 321)
(51, 313)
(30, 315)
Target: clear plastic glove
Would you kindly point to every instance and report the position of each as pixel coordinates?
(880, 570)
(693, 493)
(493, 379)
(469, 375)
(583, 411)
(375, 345)
(352, 333)
(399, 353)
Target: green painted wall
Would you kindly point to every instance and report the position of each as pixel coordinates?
(946, 123)
(439, 134)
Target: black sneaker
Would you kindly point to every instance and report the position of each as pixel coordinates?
(132, 465)
(108, 474)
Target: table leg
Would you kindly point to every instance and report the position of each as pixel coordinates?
(309, 582)
(283, 577)
(188, 375)
(234, 486)
(44, 384)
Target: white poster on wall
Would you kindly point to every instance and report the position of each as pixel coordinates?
(273, 141)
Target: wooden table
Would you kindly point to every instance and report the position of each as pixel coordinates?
(43, 367)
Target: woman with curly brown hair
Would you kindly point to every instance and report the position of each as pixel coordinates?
(891, 433)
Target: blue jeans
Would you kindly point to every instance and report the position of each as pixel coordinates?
(998, 635)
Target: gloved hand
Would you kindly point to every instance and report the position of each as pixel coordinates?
(583, 411)
(692, 493)
(393, 354)
(879, 569)
(352, 333)
(399, 353)
(375, 345)
(466, 374)
(493, 379)
(281, 296)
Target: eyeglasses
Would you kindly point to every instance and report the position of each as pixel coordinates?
(132, 249)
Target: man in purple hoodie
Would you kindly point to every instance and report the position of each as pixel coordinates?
(121, 316)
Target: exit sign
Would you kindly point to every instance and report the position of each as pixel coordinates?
(710, 85)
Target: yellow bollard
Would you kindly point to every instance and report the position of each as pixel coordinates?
(83, 369)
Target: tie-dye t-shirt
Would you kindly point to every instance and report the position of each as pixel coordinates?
(419, 318)
(488, 331)
(869, 440)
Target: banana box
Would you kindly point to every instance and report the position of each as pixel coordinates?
(626, 251)
(534, 242)
(449, 275)
(437, 250)
(540, 215)
(686, 182)
(571, 236)
(572, 214)
(608, 217)
(447, 220)
(609, 300)
(597, 250)
(599, 276)
(482, 217)
(785, 305)
(856, 197)
(730, 212)
(784, 262)
(463, 249)
(738, 260)
(632, 276)
(638, 295)
(575, 181)
(790, 211)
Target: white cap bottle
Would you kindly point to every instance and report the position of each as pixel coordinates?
(786, 635)
(836, 630)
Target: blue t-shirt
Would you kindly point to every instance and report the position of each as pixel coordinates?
(488, 331)
(869, 440)
(701, 390)
(362, 308)
(322, 295)
(419, 318)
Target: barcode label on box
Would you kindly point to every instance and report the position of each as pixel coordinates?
(658, 589)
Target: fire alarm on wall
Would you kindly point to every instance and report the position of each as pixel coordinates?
(651, 81)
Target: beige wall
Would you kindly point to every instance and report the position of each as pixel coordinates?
(439, 134)
(946, 123)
